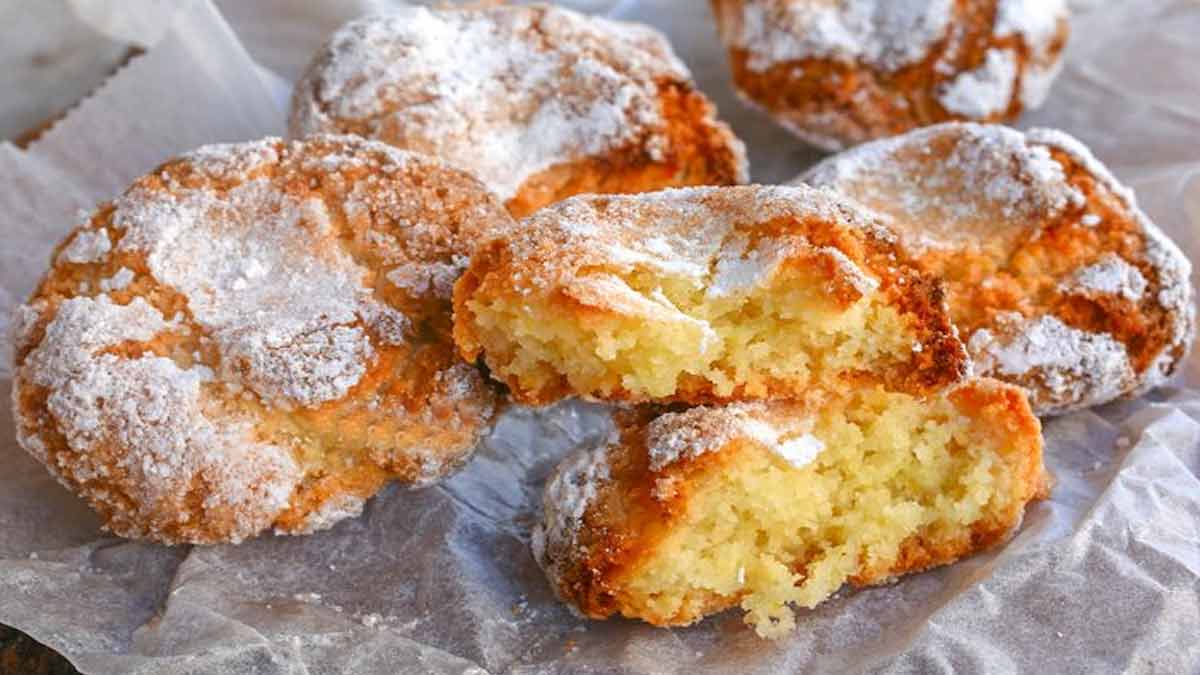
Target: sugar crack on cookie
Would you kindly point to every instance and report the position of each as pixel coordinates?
(1056, 279)
(769, 506)
(702, 295)
(838, 73)
(539, 102)
(220, 351)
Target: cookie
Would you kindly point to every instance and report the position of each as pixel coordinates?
(765, 506)
(702, 295)
(841, 73)
(539, 102)
(1055, 278)
(256, 336)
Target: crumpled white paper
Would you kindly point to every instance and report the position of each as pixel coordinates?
(1105, 576)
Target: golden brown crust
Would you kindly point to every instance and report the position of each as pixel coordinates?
(624, 512)
(555, 256)
(835, 102)
(256, 336)
(699, 151)
(1055, 277)
(544, 103)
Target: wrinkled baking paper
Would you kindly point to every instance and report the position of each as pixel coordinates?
(1102, 577)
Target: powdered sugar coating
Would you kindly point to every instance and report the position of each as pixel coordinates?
(329, 513)
(841, 72)
(569, 492)
(156, 410)
(992, 180)
(698, 234)
(1111, 275)
(1172, 268)
(118, 281)
(25, 319)
(986, 90)
(503, 91)
(1037, 23)
(888, 34)
(1034, 20)
(684, 436)
(87, 246)
(191, 400)
(1087, 368)
(280, 304)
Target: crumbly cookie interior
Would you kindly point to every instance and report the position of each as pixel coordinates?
(675, 336)
(900, 484)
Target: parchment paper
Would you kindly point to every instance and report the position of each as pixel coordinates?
(1103, 577)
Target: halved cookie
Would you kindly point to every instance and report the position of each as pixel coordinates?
(702, 295)
(767, 505)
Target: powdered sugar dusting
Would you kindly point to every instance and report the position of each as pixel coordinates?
(694, 234)
(967, 186)
(888, 34)
(150, 411)
(118, 281)
(801, 450)
(435, 278)
(988, 181)
(568, 494)
(683, 436)
(1111, 275)
(740, 268)
(1037, 23)
(1073, 365)
(261, 274)
(83, 326)
(862, 282)
(251, 248)
(1172, 268)
(24, 318)
(87, 246)
(1036, 81)
(985, 91)
(505, 91)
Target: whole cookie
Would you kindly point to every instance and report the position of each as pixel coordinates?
(256, 336)
(541, 103)
(840, 72)
(1055, 278)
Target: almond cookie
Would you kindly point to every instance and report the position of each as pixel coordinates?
(702, 295)
(539, 102)
(256, 336)
(763, 506)
(1057, 280)
(841, 72)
